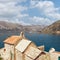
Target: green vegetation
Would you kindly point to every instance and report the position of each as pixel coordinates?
(58, 58)
(1, 58)
(11, 55)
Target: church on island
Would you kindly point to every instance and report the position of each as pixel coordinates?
(21, 48)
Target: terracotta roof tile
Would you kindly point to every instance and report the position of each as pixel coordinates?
(12, 39)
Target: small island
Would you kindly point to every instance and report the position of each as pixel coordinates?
(18, 47)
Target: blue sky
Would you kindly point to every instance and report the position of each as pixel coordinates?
(28, 12)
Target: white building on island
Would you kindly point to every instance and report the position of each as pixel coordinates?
(21, 48)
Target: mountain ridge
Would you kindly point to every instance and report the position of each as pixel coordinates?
(14, 27)
(8, 26)
(53, 28)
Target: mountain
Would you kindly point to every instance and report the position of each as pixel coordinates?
(33, 28)
(14, 27)
(53, 28)
(7, 25)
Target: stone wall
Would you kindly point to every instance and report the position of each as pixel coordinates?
(7, 52)
(54, 56)
(19, 55)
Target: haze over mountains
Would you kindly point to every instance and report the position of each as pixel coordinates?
(7, 26)
(14, 27)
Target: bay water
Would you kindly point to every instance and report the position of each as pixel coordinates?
(48, 40)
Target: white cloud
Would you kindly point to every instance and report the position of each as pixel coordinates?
(7, 9)
(48, 9)
(11, 10)
(41, 20)
(23, 23)
(35, 20)
(22, 15)
(7, 1)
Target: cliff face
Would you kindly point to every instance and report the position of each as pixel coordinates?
(53, 28)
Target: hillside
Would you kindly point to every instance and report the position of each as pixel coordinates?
(8, 27)
(13, 27)
(33, 28)
(53, 28)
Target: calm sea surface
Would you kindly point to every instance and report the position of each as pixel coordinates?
(49, 40)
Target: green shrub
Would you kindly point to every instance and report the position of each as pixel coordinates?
(1, 58)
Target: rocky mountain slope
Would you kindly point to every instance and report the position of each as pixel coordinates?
(53, 28)
(14, 27)
(7, 26)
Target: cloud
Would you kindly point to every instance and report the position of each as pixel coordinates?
(47, 8)
(14, 11)
(15, 1)
(9, 11)
(35, 20)
(41, 20)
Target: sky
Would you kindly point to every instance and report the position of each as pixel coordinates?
(30, 12)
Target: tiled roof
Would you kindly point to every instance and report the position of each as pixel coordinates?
(22, 45)
(33, 53)
(12, 39)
